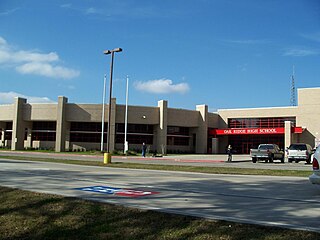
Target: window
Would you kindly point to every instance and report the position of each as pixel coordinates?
(259, 122)
(135, 138)
(135, 128)
(43, 136)
(87, 131)
(178, 136)
(9, 125)
(301, 147)
(44, 126)
(87, 126)
(86, 137)
(43, 131)
(177, 141)
(136, 133)
(178, 131)
(8, 135)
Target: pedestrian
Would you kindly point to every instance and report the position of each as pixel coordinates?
(229, 152)
(144, 149)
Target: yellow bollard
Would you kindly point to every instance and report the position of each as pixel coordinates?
(107, 158)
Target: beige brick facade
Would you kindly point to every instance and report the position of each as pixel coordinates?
(172, 130)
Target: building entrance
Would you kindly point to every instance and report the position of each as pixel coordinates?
(242, 144)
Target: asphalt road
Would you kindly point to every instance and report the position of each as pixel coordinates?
(289, 202)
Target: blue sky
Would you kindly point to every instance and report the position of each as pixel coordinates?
(223, 53)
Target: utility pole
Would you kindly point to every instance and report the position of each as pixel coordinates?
(293, 90)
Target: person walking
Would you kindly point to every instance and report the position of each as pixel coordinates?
(229, 152)
(144, 149)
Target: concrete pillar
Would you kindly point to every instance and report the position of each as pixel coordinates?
(18, 124)
(113, 125)
(215, 145)
(287, 134)
(162, 127)
(202, 131)
(61, 124)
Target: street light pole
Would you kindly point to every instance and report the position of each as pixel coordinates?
(103, 111)
(107, 156)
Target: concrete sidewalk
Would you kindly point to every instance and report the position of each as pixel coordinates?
(204, 160)
(193, 157)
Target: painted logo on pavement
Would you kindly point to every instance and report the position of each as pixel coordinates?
(117, 191)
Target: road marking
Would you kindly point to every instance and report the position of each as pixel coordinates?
(117, 191)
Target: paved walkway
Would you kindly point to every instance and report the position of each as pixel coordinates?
(210, 160)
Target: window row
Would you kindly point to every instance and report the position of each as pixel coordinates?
(87, 126)
(120, 127)
(173, 130)
(134, 128)
(259, 122)
(135, 139)
(43, 136)
(177, 141)
(45, 125)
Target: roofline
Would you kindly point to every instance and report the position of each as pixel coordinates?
(246, 109)
(308, 88)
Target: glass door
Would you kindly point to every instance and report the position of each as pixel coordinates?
(246, 146)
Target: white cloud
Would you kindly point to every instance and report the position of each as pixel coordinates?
(27, 56)
(2, 41)
(8, 12)
(161, 86)
(313, 36)
(248, 41)
(85, 11)
(67, 5)
(92, 10)
(33, 62)
(8, 98)
(47, 70)
(300, 52)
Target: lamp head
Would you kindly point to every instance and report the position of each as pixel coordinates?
(111, 51)
(117, 50)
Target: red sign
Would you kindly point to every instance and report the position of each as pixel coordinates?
(242, 131)
(297, 130)
(246, 131)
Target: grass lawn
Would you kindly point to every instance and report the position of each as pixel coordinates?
(28, 215)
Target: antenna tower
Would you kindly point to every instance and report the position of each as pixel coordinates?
(293, 90)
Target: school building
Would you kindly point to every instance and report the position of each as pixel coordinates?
(65, 126)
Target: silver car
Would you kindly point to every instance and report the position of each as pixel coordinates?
(315, 177)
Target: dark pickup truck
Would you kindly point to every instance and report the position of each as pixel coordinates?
(267, 152)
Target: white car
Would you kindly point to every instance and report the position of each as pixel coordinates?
(315, 177)
(298, 152)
